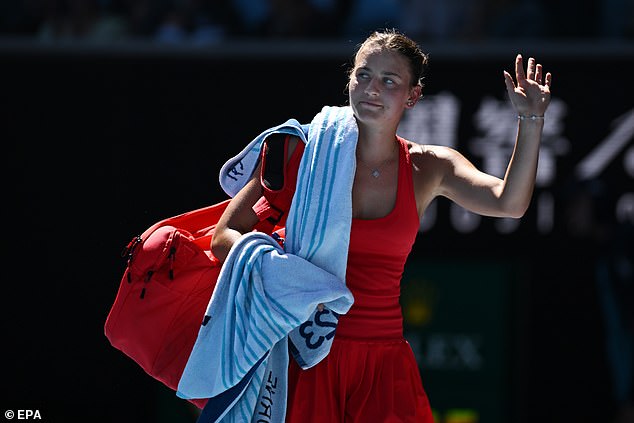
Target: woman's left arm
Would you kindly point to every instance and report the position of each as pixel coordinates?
(509, 197)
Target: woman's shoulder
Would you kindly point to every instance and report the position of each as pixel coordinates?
(429, 165)
(429, 154)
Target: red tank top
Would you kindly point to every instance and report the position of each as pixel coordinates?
(376, 258)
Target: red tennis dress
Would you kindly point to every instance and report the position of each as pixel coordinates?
(370, 374)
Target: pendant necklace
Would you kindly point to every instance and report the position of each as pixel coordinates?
(375, 172)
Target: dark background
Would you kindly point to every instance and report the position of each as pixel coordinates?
(101, 141)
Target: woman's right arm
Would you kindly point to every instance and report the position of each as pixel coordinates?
(238, 219)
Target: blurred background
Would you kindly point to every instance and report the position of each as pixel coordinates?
(118, 113)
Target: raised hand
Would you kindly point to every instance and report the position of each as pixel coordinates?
(531, 95)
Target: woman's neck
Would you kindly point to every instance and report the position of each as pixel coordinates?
(376, 146)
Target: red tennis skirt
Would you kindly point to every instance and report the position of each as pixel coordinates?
(359, 381)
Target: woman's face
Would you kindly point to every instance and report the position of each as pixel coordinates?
(380, 86)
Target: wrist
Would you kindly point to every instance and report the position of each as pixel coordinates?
(530, 117)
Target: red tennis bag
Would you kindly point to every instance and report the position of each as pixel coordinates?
(168, 281)
(164, 292)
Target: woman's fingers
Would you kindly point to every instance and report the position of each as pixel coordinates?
(530, 74)
(549, 79)
(534, 72)
(519, 69)
(538, 74)
(508, 80)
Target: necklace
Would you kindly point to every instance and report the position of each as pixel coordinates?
(375, 172)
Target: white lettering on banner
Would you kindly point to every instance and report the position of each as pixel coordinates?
(601, 156)
(606, 152)
(436, 121)
(497, 122)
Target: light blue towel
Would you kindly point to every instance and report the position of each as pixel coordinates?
(263, 295)
(237, 171)
(318, 223)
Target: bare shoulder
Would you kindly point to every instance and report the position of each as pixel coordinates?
(430, 157)
(430, 164)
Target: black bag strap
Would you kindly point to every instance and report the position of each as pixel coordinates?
(275, 159)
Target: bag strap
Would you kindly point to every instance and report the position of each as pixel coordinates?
(278, 178)
(273, 160)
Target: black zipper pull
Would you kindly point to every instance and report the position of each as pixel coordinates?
(129, 249)
(148, 276)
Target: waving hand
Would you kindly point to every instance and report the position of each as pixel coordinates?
(531, 94)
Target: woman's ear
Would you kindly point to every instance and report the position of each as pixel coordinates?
(415, 95)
